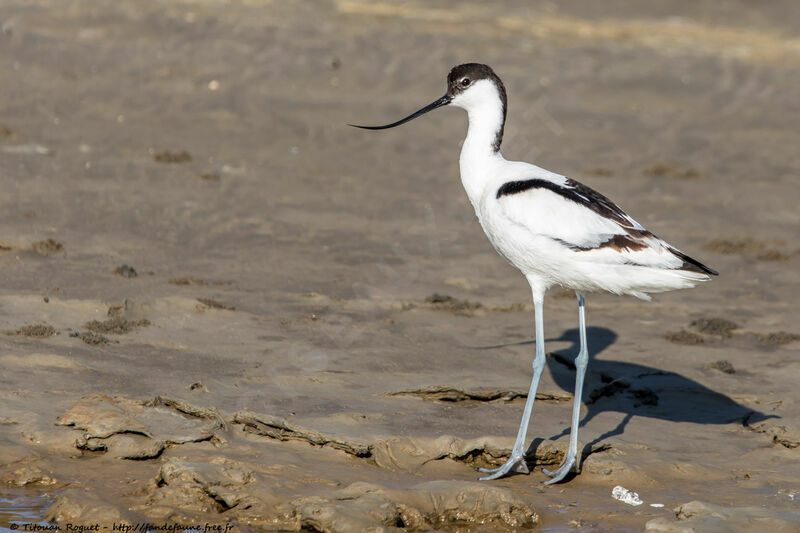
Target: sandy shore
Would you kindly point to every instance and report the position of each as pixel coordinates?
(221, 305)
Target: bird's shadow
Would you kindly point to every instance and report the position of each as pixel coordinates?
(636, 390)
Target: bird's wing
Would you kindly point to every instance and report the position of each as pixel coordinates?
(586, 222)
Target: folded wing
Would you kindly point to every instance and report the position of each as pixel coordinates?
(588, 224)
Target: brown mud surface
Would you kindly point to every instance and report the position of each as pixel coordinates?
(380, 351)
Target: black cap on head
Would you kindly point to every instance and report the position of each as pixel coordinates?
(463, 76)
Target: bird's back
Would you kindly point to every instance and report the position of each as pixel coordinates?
(565, 233)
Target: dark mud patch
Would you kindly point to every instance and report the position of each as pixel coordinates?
(726, 329)
(450, 304)
(39, 331)
(454, 395)
(444, 302)
(116, 325)
(172, 157)
(91, 338)
(5, 247)
(208, 303)
(778, 338)
(125, 271)
(721, 327)
(683, 337)
(722, 366)
(661, 170)
(47, 247)
(197, 282)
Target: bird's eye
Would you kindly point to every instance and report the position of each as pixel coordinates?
(465, 82)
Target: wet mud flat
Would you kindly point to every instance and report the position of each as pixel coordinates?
(221, 305)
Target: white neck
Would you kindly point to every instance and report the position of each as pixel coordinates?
(478, 154)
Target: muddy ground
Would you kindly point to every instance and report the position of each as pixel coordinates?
(220, 304)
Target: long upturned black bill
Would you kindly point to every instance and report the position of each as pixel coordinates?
(444, 100)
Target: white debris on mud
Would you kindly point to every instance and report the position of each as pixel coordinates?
(626, 496)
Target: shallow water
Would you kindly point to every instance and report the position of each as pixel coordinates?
(22, 506)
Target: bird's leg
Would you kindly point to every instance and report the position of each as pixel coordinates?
(516, 463)
(581, 362)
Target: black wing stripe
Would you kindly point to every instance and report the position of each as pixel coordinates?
(575, 192)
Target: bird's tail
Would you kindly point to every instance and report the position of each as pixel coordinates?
(692, 265)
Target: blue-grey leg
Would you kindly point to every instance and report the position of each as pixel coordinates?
(516, 463)
(581, 362)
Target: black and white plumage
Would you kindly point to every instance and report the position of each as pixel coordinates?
(555, 230)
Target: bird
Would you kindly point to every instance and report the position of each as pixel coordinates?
(556, 231)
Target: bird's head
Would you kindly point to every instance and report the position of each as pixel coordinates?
(473, 85)
(470, 86)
